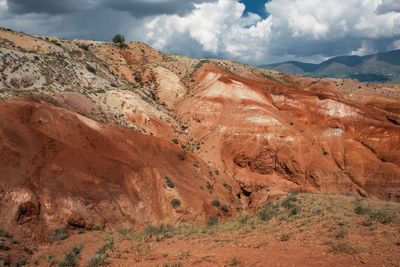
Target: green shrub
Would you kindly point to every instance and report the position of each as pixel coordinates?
(288, 202)
(97, 260)
(107, 246)
(213, 220)
(269, 212)
(360, 209)
(118, 39)
(175, 141)
(90, 68)
(170, 184)
(100, 258)
(84, 47)
(59, 234)
(216, 202)
(344, 247)
(125, 233)
(294, 210)
(243, 220)
(383, 216)
(160, 232)
(225, 208)
(97, 228)
(175, 202)
(72, 257)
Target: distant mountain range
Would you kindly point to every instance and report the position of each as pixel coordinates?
(382, 67)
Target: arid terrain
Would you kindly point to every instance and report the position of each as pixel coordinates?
(124, 155)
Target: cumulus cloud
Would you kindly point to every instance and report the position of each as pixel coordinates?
(294, 29)
(307, 30)
(219, 28)
(365, 49)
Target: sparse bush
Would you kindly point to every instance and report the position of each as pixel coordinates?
(367, 222)
(84, 47)
(175, 141)
(59, 234)
(91, 69)
(107, 246)
(97, 260)
(213, 220)
(20, 262)
(360, 209)
(170, 184)
(294, 210)
(344, 247)
(72, 257)
(269, 212)
(383, 216)
(284, 237)
(244, 219)
(235, 261)
(288, 202)
(125, 233)
(4, 233)
(3, 247)
(175, 202)
(160, 232)
(340, 234)
(216, 202)
(225, 208)
(100, 258)
(97, 228)
(317, 210)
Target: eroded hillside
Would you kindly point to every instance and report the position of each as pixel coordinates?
(97, 135)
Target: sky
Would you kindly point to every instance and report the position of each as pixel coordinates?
(251, 31)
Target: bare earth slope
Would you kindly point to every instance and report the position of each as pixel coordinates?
(97, 136)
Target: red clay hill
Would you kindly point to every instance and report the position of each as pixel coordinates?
(97, 135)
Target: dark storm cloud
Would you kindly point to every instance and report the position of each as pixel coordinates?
(138, 8)
(44, 6)
(141, 8)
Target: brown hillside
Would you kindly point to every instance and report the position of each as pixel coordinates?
(96, 136)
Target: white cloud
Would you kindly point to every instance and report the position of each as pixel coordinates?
(365, 49)
(304, 28)
(395, 45)
(307, 30)
(219, 28)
